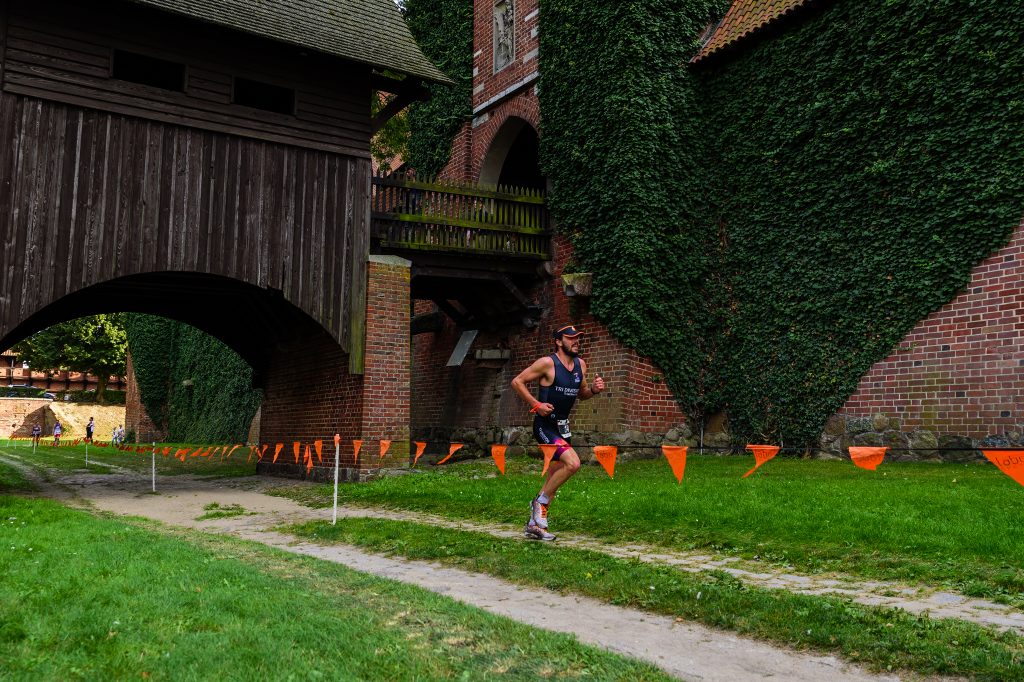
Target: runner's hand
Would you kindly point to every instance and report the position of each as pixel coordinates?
(543, 409)
(598, 384)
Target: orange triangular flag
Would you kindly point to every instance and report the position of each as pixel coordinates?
(384, 445)
(232, 450)
(452, 449)
(167, 451)
(277, 451)
(498, 453)
(762, 453)
(420, 447)
(261, 452)
(1010, 462)
(605, 455)
(308, 458)
(357, 445)
(209, 451)
(195, 453)
(318, 445)
(676, 456)
(867, 458)
(179, 452)
(549, 452)
(295, 448)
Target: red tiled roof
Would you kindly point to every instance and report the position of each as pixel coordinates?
(743, 18)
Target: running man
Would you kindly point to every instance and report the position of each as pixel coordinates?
(57, 431)
(89, 428)
(563, 378)
(37, 432)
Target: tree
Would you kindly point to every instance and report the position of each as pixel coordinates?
(94, 345)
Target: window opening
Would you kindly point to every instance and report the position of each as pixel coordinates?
(265, 96)
(151, 71)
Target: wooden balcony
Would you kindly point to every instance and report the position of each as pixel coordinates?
(413, 216)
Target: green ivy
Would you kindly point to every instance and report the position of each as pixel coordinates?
(621, 145)
(444, 31)
(190, 383)
(770, 225)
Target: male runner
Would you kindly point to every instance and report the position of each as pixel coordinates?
(563, 378)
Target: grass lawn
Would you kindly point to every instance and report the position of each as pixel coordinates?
(67, 459)
(94, 598)
(938, 524)
(886, 639)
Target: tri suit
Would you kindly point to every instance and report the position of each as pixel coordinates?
(561, 394)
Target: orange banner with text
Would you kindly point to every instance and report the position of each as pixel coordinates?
(762, 453)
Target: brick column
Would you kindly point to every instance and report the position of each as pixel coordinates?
(388, 367)
(310, 395)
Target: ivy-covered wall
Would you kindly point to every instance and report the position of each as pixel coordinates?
(621, 146)
(190, 383)
(770, 225)
(444, 31)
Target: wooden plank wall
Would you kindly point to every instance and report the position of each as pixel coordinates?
(62, 50)
(87, 196)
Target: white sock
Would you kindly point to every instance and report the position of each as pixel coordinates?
(543, 499)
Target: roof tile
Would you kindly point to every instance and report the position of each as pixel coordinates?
(743, 18)
(367, 31)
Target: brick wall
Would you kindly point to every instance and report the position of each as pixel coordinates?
(136, 419)
(19, 415)
(309, 394)
(961, 369)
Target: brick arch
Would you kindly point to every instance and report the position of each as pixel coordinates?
(488, 126)
(501, 134)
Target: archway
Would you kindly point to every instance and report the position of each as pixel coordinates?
(513, 158)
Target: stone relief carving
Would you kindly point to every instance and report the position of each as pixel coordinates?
(504, 34)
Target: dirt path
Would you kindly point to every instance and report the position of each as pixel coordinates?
(685, 650)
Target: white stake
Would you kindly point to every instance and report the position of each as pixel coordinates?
(86, 454)
(337, 455)
(153, 455)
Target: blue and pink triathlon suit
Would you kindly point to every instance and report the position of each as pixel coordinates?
(554, 429)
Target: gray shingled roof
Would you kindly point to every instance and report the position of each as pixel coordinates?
(367, 31)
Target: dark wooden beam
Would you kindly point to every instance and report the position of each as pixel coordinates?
(406, 92)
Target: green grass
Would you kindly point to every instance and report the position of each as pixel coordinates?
(881, 638)
(215, 511)
(952, 525)
(12, 480)
(94, 598)
(68, 459)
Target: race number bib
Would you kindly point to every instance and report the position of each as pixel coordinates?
(563, 428)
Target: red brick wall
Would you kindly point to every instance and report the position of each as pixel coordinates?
(136, 419)
(386, 389)
(961, 370)
(309, 394)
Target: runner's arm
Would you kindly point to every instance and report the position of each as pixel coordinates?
(535, 372)
(586, 390)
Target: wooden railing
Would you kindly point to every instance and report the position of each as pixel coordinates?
(432, 215)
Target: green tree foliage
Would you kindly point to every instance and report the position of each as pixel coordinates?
(768, 226)
(95, 345)
(444, 30)
(191, 385)
(392, 140)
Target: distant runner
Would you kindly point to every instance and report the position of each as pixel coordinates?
(89, 428)
(563, 378)
(37, 432)
(57, 430)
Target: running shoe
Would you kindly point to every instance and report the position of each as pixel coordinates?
(535, 532)
(538, 513)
